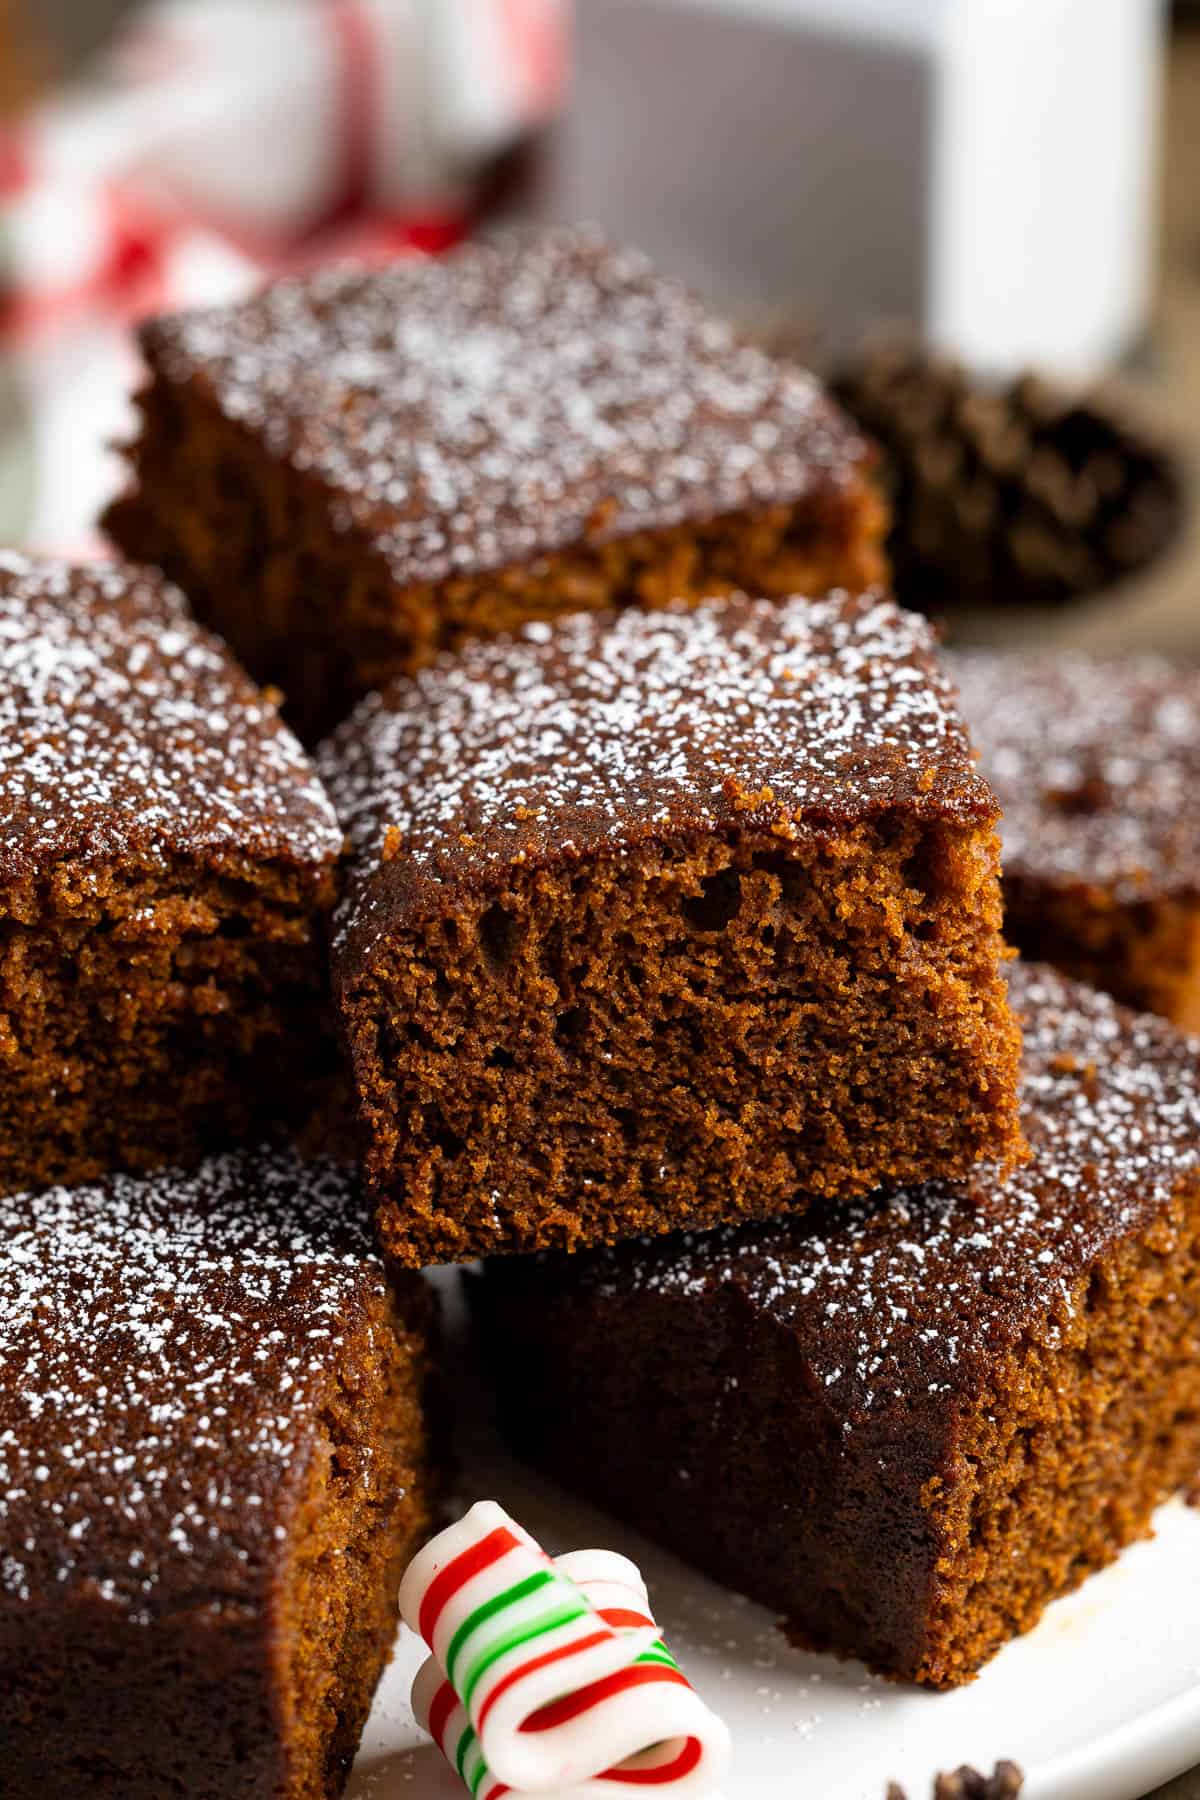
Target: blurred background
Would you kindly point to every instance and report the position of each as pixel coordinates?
(980, 219)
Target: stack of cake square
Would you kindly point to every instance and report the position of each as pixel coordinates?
(647, 871)
(661, 921)
(215, 1445)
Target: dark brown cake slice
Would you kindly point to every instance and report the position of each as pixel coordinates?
(1097, 767)
(660, 919)
(909, 1424)
(166, 854)
(351, 472)
(214, 1463)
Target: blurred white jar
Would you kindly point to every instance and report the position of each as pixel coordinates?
(981, 168)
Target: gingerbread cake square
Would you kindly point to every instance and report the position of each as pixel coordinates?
(215, 1462)
(908, 1424)
(355, 470)
(659, 919)
(1097, 767)
(167, 855)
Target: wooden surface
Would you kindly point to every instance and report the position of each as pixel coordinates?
(43, 40)
(1186, 1788)
(22, 57)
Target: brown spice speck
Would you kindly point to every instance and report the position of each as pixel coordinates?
(1004, 1783)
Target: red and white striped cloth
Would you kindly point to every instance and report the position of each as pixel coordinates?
(221, 142)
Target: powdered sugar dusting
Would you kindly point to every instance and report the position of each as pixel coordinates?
(472, 412)
(164, 1345)
(125, 729)
(604, 729)
(896, 1300)
(1097, 766)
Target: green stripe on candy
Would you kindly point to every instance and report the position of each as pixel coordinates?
(464, 1744)
(522, 1634)
(480, 1774)
(471, 1751)
(520, 1590)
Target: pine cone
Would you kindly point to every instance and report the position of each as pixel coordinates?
(1017, 495)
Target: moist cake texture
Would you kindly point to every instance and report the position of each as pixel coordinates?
(166, 856)
(1097, 767)
(352, 471)
(214, 1464)
(906, 1424)
(666, 918)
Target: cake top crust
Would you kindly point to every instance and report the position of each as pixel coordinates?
(127, 731)
(1096, 764)
(609, 730)
(898, 1299)
(165, 1346)
(472, 412)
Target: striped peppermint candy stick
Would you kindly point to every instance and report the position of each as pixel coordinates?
(590, 1709)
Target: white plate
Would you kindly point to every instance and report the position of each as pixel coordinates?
(1101, 1702)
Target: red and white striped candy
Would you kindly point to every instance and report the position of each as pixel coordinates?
(550, 1677)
